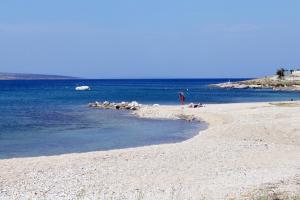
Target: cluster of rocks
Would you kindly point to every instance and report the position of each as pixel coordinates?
(188, 118)
(238, 86)
(197, 105)
(122, 105)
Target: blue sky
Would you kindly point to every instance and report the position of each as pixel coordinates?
(149, 39)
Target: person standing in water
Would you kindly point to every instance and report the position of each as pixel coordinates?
(181, 98)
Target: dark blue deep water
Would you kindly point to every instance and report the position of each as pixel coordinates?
(49, 117)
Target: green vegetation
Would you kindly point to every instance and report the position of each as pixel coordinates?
(280, 73)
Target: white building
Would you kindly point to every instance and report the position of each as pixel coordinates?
(296, 72)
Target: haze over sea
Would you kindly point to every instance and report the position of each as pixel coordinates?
(48, 117)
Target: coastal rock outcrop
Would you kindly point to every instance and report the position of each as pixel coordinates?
(122, 105)
(289, 83)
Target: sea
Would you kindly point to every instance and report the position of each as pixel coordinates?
(49, 117)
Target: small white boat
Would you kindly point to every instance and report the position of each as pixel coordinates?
(82, 88)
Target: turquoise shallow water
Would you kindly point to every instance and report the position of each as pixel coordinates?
(50, 117)
(83, 130)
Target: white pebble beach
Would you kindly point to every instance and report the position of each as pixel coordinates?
(249, 150)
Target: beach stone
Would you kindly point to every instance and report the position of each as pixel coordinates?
(123, 103)
(106, 103)
(191, 105)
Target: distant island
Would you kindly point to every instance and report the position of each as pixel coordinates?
(283, 80)
(23, 76)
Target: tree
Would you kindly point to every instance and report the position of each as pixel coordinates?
(280, 73)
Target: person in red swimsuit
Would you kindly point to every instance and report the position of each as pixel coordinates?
(181, 98)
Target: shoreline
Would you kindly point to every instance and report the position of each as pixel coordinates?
(246, 148)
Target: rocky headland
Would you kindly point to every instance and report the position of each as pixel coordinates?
(289, 82)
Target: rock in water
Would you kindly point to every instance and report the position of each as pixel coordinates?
(123, 105)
